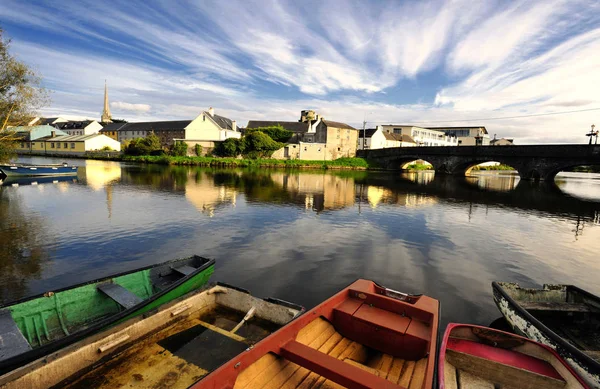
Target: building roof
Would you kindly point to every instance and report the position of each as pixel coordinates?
(156, 126)
(222, 121)
(295, 127)
(369, 132)
(43, 121)
(74, 138)
(73, 125)
(112, 127)
(399, 137)
(37, 132)
(329, 123)
(458, 128)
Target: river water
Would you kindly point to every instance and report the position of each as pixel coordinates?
(303, 235)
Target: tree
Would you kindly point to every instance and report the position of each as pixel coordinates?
(259, 145)
(179, 149)
(150, 145)
(277, 133)
(20, 97)
(230, 147)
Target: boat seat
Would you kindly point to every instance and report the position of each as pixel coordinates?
(184, 269)
(13, 341)
(122, 296)
(554, 306)
(340, 372)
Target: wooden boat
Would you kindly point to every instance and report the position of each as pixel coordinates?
(563, 317)
(38, 325)
(474, 357)
(365, 336)
(171, 348)
(24, 170)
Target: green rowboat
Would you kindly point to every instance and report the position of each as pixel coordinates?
(36, 326)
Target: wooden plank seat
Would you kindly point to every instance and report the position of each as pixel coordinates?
(185, 270)
(555, 306)
(502, 366)
(122, 296)
(12, 341)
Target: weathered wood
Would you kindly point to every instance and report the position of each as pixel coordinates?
(122, 296)
(554, 306)
(471, 381)
(450, 379)
(222, 331)
(499, 373)
(12, 341)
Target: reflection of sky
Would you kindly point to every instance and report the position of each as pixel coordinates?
(581, 185)
(448, 248)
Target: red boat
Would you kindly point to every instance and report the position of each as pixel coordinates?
(365, 336)
(480, 357)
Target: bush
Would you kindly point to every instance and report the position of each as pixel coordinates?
(149, 145)
(277, 133)
(106, 148)
(259, 145)
(230, 147)
(198, 150)
(179, 149)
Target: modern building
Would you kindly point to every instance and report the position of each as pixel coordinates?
(84, 127)
(421, 136)
(467, 136)
(375, 138)
(314, 138)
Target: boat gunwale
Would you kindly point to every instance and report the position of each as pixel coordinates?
(589, 361)
(451, 326)
(16, 361)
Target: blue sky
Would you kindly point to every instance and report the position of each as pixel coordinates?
(429, 63)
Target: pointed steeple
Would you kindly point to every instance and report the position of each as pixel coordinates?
(106, 117)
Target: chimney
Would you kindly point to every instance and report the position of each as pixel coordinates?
(211, 111)
(53, 134)
(234, 125)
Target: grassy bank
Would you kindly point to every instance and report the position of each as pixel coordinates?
(495, 167)
(418, 166)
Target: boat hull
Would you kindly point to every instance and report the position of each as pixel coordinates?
(73, 313)
(35, 171)
(525, 324)
(477, 357)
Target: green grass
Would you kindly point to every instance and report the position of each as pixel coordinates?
(418, 166)
(495, 167)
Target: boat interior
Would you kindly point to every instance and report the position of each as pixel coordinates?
(172, 348)
(482, 358)
(54, 315)
(568, 311)
(364, 337)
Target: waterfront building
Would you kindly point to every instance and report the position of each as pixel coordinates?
(420, 135)
(84, 127)
(314, 138)
(206, 129)
(112, 130)
(79, 144)
(467, 136)
(30, 137)
(375, 138)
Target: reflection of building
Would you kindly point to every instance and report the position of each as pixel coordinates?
(320, 191)
(201, 191)
(379, 195)
(100, 174)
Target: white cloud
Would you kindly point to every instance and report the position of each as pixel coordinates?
(130, 107)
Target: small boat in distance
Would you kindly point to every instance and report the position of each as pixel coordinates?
(563, 317)
(171, 348)
(365, 336)
(474, 357)
(36, 326)
(25, 170)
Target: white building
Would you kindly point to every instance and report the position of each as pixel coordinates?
(84, 127)
(467, 136)
(421, 136)
(79, 144)
(376, 138)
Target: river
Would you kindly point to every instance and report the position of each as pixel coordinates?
(303, 235)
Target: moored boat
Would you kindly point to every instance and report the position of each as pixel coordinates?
(24, 170)
(36, 326)
(563, 317)
(474, 357)
(365, 336)
(173, 347)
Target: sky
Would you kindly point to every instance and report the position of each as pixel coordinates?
(427, 63)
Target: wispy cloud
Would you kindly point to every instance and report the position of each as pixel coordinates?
(130, 107)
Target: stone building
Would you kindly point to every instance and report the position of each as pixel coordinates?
(314, 138)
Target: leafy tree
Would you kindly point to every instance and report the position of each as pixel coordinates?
(150, 145)
(20, 96)
(230, 147)
(277, 133)
(179, 149)
(259, 145)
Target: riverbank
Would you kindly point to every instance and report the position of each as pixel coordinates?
(341, 163)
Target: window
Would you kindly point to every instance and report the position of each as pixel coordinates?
(339, 149)
(58, 145)
(33, 145)
(305, 148)
(52, 145)
(397, 131)
(66, 145)
(22, 145)
(72, 145)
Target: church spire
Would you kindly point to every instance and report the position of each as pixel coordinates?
(106, 117)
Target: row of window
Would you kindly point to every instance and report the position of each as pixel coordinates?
(65, 145)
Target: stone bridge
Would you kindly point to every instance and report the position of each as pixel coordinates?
(539, 162)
